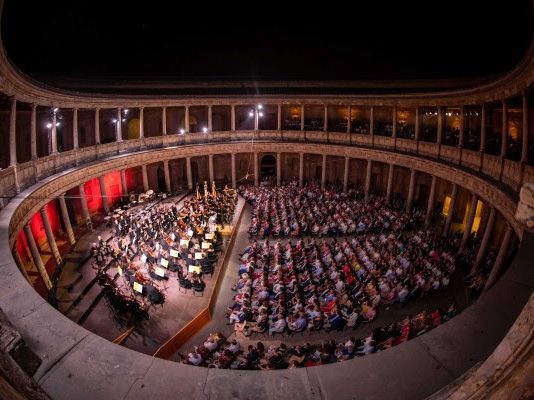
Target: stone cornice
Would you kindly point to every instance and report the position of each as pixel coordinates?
(14, 83)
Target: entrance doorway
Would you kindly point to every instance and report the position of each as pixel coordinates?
(267, 166)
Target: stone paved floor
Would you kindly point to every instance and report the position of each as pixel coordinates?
(96, 316)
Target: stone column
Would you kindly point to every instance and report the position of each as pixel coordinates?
(469, 224)
(368, 179)
(440, 125)
(349, 121)
(234, 173)
(75, 128)
(256, 170)
(501, 257)
(417, 124)
(484, 244)
(301, 169)
(372, 121)
(54, 133)
(189, 174)
(302, 117)
(103, 193)
(450, 214)
(97, 126)
(232, 118)
(66, 219)
(483, 128)
(118, 128)
(504, 129)
(256, 119)
(524, 149)
(124, 184)
(33, 132)
(85, 208)
(20, 264)
(164, 121)
(325, 128)
(346, 175)
(323, 172)
(278, 169)
(462, 124)
(13, 133)
(37, 256)
(279, 118)
(145, 177)
(389, 187)
(50, 237)
(394, 134)
(167, 176)
(431, 200)
(210, 119)
(411, 189)
(210, 168)
(186, 119)
(141, 122)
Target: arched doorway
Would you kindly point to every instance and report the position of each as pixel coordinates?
(194, 172)
(161, 180)
(267, 166)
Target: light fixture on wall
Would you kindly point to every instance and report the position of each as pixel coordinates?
(257, 113)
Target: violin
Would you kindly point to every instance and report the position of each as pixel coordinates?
(168, 240)
(199, 230)
(139, 277)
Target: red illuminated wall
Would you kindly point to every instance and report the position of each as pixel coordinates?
(112, 181)
(93, 196)
(37, 226)
(75, 203)
(134, 180)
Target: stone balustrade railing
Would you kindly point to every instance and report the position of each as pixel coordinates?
(512, 174)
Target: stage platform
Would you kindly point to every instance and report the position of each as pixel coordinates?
(81, 299)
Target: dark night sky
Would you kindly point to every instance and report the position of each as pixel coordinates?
(264, 40)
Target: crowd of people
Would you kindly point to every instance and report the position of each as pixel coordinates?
(217, 352)
(342, 259)
(331, 283)
(293, 211)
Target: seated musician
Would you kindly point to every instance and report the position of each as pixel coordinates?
(197, 281)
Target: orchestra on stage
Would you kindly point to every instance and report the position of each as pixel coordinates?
(155, 240)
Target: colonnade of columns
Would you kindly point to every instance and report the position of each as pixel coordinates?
(164, 112)
(504, 249)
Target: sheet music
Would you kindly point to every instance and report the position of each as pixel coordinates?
(138, 287)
